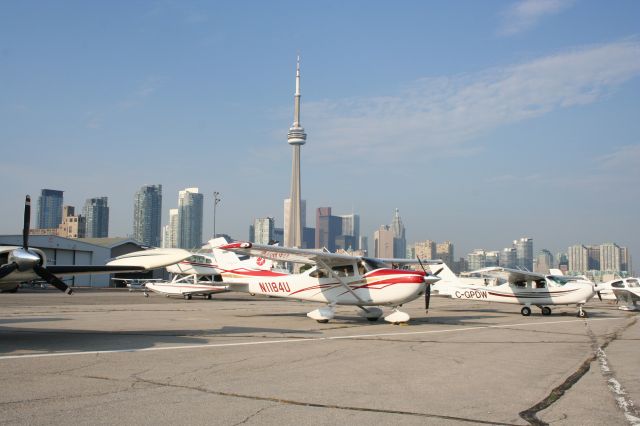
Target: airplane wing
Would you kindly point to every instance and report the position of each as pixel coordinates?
(511, 275)
(286, 254)
(143, 260)
(312, 256)
(625, 295)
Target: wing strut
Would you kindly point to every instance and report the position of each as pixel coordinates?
(344, 284)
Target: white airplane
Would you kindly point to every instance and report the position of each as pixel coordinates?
(626, 290)
(521, 287)
(23, 264)
(334, 279)
(200, 273)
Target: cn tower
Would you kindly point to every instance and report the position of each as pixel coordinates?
(296, 138)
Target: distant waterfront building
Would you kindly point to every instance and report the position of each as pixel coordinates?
(425, 249)
(96, 213)
(328, 228)
(190, 211)
(544, 262)
(476, 259)
(491, 258)
(383, 242)
(610, 257)
(524, 253)
(351, 228)
(444, 252)
(170, 231)
(593, 258)
(72, 226)
(363, 243)
(263, 230)
(508, 257)
(147, 215)
(578, 259)
(49, 208)
(278, 234)
(399, 236)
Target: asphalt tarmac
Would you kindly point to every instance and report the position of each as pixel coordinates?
(115, 357)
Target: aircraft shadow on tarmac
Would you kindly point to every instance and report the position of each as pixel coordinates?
(38, 340)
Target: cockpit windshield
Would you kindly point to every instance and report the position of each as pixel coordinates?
(561, 279)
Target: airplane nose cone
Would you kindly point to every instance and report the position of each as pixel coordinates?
(431, 279)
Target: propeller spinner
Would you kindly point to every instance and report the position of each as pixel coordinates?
(427, 292)
(23, 259)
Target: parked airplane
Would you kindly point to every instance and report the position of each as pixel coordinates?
(334, 279)
(521, 287)
(626, 290)
(21, 264)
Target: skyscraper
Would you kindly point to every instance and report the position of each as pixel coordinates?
(328, 228)
(351, 228)
(296, 138)
(170, 231)
(96, 213)
(263, 230)
(524, 253)
(399, 237)
(190, 208)
(383, 242)
(49, 208)
(147, 215)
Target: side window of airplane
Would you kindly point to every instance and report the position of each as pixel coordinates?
(343, 271)
(617, 284)
(633, 283)
(318, 273)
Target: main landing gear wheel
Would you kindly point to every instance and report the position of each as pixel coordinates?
(146, 294)
(324, 321)
(546, 310)
(187, 297)
(526, 311)
(208, 296)
(582, 314)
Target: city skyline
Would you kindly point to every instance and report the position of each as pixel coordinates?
(458, 96)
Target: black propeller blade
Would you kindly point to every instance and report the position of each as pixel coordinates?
(27, 223)
(599, 295)
(51, 279)
(23, 259)
(427, 291)
(7, 269)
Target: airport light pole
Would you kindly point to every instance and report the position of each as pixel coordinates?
(216, 200)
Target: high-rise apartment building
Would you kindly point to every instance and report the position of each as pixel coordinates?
(49, 208)
(578, 259)
(524, 253)
(328, 228)
(610, 257)
(426, 249)
(190, 211)
(96, 213)
(170, 231)
(544, 262)
(351, 228)
(147, 215)
(383, 242)
(444, 252)
(476, 259)
(508, 257)
(264, 230)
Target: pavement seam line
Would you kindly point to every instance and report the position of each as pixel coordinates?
(531, 414)
(318, 405)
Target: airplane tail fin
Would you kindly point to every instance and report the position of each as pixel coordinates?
(447, 279)
(230, 260)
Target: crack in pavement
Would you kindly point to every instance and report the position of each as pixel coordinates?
(254, 414)
(531, 414)
(319, 405)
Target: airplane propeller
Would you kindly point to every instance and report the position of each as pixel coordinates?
(427, 292)
(23, 259)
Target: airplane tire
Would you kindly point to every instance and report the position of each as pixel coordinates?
(208, 296)
(546, 310)
(525, 311)
(323, 321)
(582, 314)
(187, 297)
(374, 319)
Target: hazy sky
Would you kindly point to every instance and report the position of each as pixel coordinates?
(482, 121)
